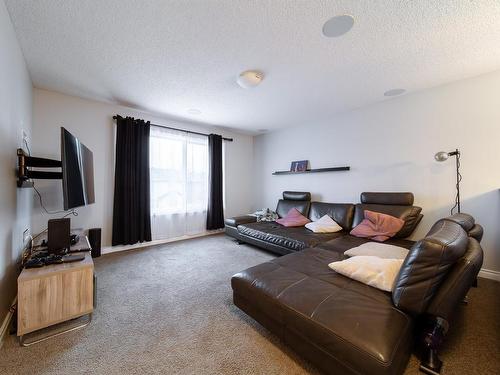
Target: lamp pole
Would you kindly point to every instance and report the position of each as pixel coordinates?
(457, 163)
(443, 156)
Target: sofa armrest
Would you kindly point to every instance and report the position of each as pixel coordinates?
(237, 220)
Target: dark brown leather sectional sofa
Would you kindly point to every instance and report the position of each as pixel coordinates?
(344, 326)
(281, 240)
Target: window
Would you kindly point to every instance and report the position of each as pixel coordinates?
(179, 183)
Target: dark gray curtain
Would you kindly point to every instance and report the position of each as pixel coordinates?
(215, 214)
(131, 209)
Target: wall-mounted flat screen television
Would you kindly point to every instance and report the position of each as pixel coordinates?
(77, 172)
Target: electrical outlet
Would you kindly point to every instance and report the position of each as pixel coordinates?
(26, 235)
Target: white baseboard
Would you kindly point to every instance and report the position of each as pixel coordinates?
(114, 249)
(489, 274)
(4, 329)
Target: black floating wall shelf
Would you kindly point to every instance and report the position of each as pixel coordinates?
(318, 170)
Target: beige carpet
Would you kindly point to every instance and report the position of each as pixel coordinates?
(168, 310)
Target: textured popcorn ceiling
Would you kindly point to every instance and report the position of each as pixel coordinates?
(171, 56)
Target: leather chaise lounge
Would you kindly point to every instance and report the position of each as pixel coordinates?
(346, 327)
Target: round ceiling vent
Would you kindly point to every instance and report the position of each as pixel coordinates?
(338, 25)
(250, 78)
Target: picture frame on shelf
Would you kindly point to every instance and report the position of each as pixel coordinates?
(299, 166)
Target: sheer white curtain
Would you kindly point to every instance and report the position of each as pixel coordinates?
(179, 183)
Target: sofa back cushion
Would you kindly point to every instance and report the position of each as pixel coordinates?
(427, 264)
(399, 205)
(342, 213)
(395, 198)
(300, 200)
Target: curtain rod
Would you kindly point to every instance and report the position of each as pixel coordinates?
(182, 130)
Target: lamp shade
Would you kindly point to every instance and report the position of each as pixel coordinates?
(441, 156)
(250, 79)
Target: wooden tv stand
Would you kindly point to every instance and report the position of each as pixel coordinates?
(54, 294)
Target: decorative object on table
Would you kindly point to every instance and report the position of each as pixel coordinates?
(266, 214)
(43, 258)
(443, 156)
(299, 166)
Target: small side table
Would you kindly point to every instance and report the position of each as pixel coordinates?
(54, 294)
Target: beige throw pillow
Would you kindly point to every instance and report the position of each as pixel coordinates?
(377, 249)
(370, 270)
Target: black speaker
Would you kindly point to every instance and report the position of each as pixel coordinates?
(95, 241)
(58, 236)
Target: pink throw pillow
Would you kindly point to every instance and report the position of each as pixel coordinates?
(377, 226)
(293, 219)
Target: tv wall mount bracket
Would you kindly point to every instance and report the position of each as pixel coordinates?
(25, 173)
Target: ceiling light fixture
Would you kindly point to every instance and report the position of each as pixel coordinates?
(250, 78)
(394, 92)
(338, 25)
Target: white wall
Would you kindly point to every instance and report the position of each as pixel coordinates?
(390, 147)
(15, 115)
(92, 123)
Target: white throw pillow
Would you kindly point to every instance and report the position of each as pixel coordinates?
(377, 249)
(374, 271)
(324, 225)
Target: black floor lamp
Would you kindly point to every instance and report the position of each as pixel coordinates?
(443, 156)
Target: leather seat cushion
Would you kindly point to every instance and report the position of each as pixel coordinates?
(292, 238)
(354, 323)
